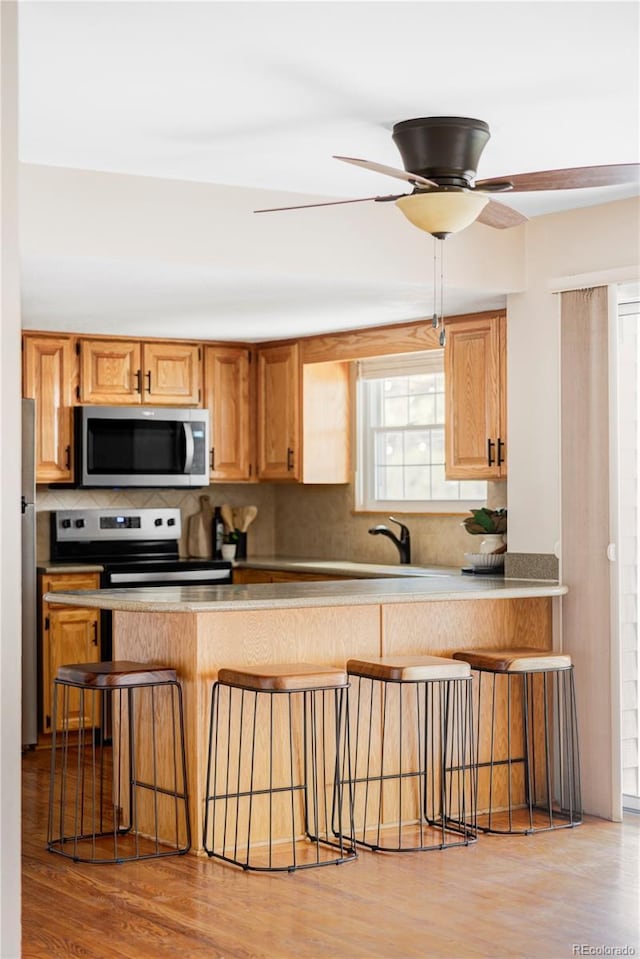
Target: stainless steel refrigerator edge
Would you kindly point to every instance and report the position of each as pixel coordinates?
(29, 595)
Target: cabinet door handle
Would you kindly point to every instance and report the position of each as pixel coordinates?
(95, 634)
(67, 457)
(490, 456)
(138, 375)
(213, 458)
(289, 458)
(148, 376)
(500, 452)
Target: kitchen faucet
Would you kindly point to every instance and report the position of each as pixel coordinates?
(403, 544)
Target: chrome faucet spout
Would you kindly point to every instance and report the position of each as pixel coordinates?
(403, 543)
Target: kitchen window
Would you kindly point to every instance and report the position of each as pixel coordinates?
(401, 411)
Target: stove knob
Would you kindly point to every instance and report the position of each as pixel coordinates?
(157, 522)
(66, 523)
(171, 522)
(80, 523)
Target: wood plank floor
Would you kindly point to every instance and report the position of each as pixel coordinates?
(504, 897)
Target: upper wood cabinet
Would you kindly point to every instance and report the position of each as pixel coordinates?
(49, 376)
(475, 397)
(303, 417)
(114, 372)
(226, 396)
(326, 426)
(278, 387)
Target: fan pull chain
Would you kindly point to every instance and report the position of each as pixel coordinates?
(442, 331)
(437, 320)
(434, 318)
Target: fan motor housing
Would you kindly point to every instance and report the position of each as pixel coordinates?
(444, 149)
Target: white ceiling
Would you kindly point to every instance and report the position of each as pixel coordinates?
(259, 95)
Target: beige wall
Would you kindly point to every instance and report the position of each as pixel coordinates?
(585, 247)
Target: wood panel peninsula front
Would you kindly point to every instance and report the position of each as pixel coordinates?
(200, 629)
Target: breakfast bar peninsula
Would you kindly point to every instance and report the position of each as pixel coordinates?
(201, 629)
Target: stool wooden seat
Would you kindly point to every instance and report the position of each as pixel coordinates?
(513, 660)
(528, 758)
(278, 736)
(404, 669)
(284, 677)
(412, 753)
(118, 787)
(115, 674)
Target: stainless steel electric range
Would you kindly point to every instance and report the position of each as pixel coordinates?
(135, 547)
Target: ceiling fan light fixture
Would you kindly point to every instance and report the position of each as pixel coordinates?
(442, 213)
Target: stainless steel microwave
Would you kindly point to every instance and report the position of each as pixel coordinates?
(141, 446)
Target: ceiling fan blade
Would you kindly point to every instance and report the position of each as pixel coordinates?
(573, 178)
(501, 216)
(305, 206)
(388, 171)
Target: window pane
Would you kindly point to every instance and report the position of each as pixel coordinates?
(473, 489)
(417, 482)
(395, 386)
(420, 383)
(389, 449)
(437, 446)
(403, 448)
(389, 482)
(417, 448)
(422, 409)
(442, 488)
(395, 411)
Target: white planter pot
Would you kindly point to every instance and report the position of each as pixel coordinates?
(491, 542)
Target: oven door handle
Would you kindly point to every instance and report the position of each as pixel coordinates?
(205, 576)
(188, 447)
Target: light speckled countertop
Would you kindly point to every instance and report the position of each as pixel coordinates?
(343, 567)
(349, 592)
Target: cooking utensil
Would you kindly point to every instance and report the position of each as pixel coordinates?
(227, 518)
(249, 514)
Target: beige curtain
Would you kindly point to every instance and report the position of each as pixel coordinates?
(585, 568)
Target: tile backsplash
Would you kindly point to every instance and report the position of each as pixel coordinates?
(305, 521)
(261, 536)
(319, 522)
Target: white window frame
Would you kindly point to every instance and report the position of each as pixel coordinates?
(365, 500)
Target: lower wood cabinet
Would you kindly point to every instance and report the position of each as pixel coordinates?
(68, 634)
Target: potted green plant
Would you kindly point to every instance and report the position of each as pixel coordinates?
(230, 544)
(491, 524)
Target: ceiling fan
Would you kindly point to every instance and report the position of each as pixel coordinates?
(440, 157)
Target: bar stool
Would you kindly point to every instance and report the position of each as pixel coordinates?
(412, 753)
(278, 735)
(527, 735)
(118, 787)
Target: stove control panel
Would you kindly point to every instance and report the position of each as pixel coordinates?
(78, 525)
